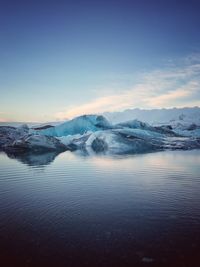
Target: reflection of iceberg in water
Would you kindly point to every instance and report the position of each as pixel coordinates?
(34, 159)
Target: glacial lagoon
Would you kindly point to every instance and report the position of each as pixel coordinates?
(70, 209)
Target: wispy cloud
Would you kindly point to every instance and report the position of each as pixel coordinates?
(176, 85)
(174, 97)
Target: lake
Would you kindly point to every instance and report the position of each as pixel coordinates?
(78, 210)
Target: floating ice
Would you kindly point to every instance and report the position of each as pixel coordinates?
(79, 125)
(94, 134)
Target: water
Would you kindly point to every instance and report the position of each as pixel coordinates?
(74, 210)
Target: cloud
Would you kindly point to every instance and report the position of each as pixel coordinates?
(177, 85)
(2, 119)
(179, 95)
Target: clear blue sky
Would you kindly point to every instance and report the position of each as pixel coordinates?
(60, 59)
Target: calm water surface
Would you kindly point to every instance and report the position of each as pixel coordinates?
(72, 210)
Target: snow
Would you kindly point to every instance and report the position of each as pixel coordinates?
(156, 116)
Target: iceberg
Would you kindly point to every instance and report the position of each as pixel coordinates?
(9, 134)
(94, 134)
(117, 141)
(122, 142)
(78, 125)
(37, 143)
(128, 141)
(135, 124)
(187, 130)
(23, 139)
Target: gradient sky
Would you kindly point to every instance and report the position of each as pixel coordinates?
(59, 59)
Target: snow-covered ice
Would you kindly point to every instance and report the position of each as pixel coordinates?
(95, 134)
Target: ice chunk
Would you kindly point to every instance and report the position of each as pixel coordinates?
(79, 125)
(9, 134)
(37, 143)
(123, 141)
(118, 141)
(135, 124)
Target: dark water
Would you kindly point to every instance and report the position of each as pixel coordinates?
(72, 210)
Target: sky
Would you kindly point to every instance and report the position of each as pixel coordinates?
(60, 59)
